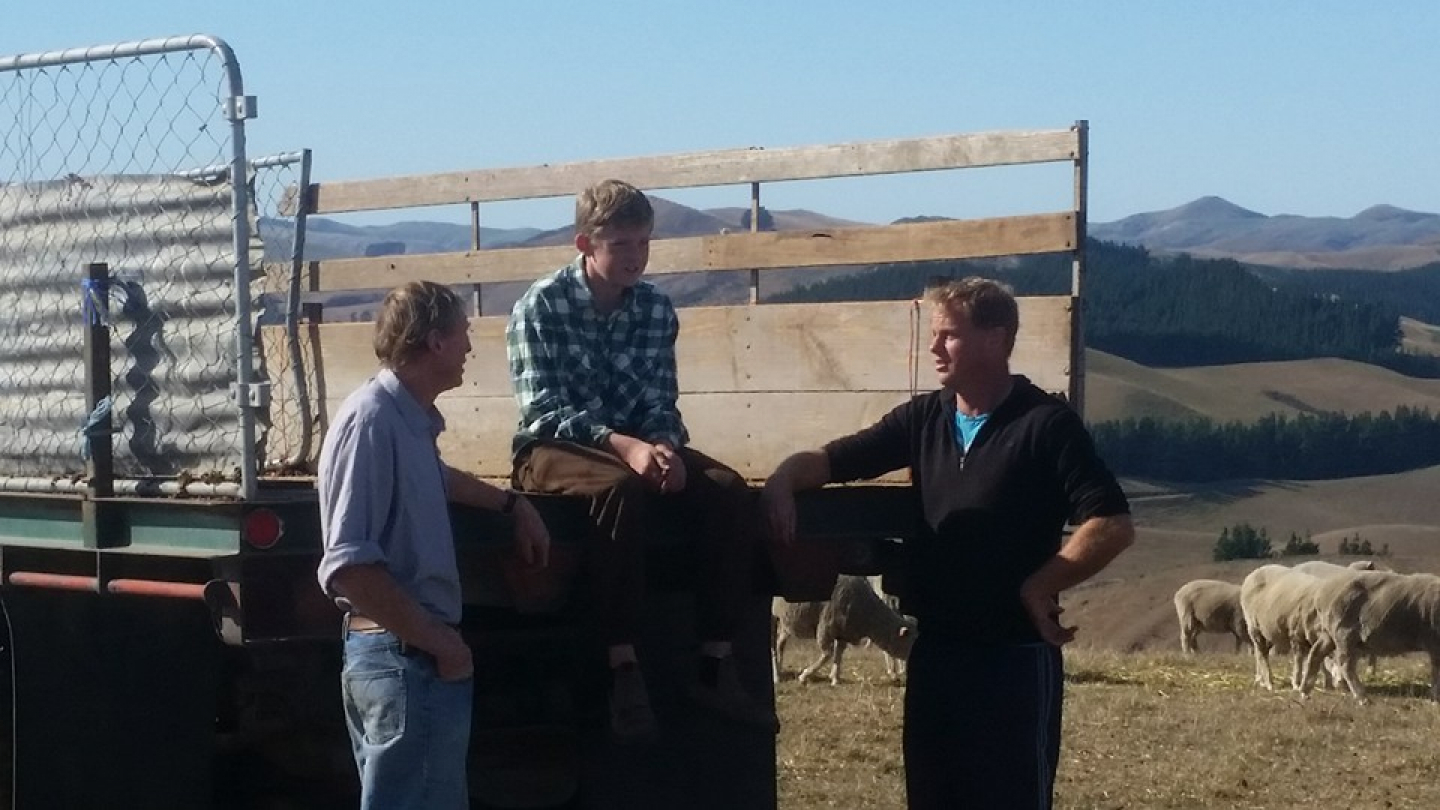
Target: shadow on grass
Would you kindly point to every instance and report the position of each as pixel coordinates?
(1224, 492)
(1211, 493)
(1083, 677)
(1400, 690)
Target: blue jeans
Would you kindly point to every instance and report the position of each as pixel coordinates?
(409, 730)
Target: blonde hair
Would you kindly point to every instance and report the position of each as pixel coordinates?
(409, 314)
(987, 303)
(611, 203)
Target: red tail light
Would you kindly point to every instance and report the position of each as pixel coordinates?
(263, 529)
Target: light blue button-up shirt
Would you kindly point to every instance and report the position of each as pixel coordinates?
(382, 496)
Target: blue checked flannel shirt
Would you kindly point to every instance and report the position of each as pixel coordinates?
(579, 376)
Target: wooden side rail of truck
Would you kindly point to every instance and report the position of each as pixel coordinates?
(758, 381)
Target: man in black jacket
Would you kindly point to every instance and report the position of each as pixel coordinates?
(999, 467)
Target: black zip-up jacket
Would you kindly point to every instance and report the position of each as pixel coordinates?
(990, 517)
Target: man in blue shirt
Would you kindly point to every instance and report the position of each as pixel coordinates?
(389, 557)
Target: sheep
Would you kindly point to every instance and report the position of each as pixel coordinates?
(853, 613)
(1209, 605)
(1322, 569)
(1383, 614)
(1281, 614)
(894, 667)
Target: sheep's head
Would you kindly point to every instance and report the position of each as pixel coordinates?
(904, 638)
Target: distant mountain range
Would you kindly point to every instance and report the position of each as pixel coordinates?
(328, 239)
(1382, 237)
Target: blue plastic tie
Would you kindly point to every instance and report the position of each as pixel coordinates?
(92, 301)
(91, 428)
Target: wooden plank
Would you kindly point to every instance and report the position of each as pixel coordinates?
(846, 346)
(479, 432)
(953, 239)
(688, 170)
(853, 346)
(758, 381)
(860, 346)
(752, 431)
(926, 241)
(1042, 346)
(484, 266)
(348, 357)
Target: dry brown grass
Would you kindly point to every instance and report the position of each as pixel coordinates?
(1148, 730)
(1419, 337)
(1116, 388)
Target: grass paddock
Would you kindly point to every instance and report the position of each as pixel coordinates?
(1143, 730)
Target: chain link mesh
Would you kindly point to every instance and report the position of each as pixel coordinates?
(122, 160)
(287, 341)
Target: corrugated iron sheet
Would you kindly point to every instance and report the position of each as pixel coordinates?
(169, 243)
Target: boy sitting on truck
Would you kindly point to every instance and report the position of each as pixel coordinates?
(592, 360)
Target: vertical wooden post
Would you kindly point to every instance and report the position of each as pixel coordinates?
(754, 228)
(475, 245)
(1077, 275)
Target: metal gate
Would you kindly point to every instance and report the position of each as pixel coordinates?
(131, 155)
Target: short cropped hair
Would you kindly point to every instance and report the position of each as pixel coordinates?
(407, 317)
(612, 203)
(989, 304)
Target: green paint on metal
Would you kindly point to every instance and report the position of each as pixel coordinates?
(45, 523)
(154, 528)
(161, 527)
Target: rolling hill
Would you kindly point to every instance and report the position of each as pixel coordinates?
(1128, 606)
(1419, 337)
(1116, 388)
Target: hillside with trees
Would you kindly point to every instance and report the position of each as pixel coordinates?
(1303, 447)
(1414, 292)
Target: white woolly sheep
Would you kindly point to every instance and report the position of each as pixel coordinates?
(894, 667)
(853, 614)
(1210, 606)
(1320, 568)
(1323, 570)
(1280, 613)
(1380, 613)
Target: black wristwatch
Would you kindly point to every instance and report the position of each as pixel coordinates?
(509, 507)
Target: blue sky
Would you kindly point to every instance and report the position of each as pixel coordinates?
(1321, 108)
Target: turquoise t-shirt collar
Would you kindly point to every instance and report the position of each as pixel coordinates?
(967, 428)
